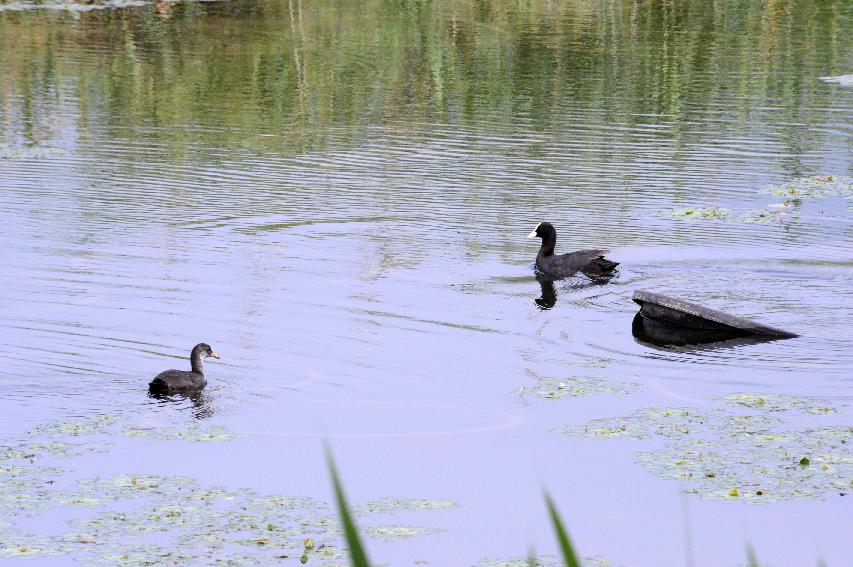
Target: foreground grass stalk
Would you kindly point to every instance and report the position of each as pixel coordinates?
(358, 556)
(569, 556)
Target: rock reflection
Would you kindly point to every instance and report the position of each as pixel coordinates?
(657, 334)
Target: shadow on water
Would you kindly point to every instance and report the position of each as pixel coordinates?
(201, 402)
(656, 334)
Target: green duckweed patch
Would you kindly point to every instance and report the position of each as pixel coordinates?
(781, 213)
(101, 424)
(193, 433)
(577, 386)
(207, 524)
(706, 213)
(814, 187)
(644, 424)
(779, 403)
(114, 520)
(725, 454)
(390, 505)
(393, 533)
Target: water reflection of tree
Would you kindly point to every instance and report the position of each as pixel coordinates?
(235, 70)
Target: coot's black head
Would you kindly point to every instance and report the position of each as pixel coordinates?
(543, 230)
(203, 350)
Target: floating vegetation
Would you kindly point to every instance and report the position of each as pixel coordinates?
(77, 427)
(707, 213)
(843, 80)
(210, 525)
(779, 402)
(28, 545)
(392, 533)
(644, 424)
(111, 425)
(194, 433)
(390, 505)
(207, 523)
(577, 386)
(816, 186)
(773, 213)
(735, 456)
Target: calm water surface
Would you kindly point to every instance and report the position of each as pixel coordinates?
(336, 196)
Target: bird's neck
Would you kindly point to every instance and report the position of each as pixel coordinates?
(197, 362)
(548, 244)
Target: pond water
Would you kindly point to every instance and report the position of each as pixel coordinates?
(336, 195)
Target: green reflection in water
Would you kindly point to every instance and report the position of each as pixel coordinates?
(278, 76)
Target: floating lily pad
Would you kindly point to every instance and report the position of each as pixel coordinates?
(31, 546)
(728, 455)
(390, 533)
(779, 403)
(77, 427)
(193, 433)
(706, 213)
(648, 422)
(389, 505)
(816, 186)
(577, 386)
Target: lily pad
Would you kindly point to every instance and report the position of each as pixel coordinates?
(728, 455)
(389, 505)
(779, 403)
(391, 533)
(815, 186)
(646, 423)
(193, 433)
(706, 213)
(577, 386)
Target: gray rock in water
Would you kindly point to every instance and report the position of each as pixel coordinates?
(679, 313)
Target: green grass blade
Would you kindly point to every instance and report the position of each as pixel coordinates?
(358, 557)
(569, 555)
(751, 560)
(531, 558)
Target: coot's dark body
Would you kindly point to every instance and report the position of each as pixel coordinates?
(182, 380)
(590, 262)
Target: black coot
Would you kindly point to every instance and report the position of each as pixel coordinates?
(181, 380)
(590, 262)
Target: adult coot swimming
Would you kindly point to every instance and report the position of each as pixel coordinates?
(590, 262)
(181, 380)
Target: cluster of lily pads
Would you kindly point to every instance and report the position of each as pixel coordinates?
(815, 186)
(136, 519)
(739, 452)
(773, 213)
(793, 192)
(576, 386)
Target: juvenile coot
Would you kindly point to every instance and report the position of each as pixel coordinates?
(590, 262)
(181, 380)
